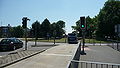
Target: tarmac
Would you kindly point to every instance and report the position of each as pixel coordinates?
(100, 56)
(60, 56)
(55, 57)
(103, 54)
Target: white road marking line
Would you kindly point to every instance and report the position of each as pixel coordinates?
(0, 56)
(57, 54)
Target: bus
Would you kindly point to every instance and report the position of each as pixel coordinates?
(72, 38)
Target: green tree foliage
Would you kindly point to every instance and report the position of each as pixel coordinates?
(108, 17)
(77, 28)
(45, 28)
(91, 26)
(36, 28)
(53, 29)
(59, 28)
(17, 31)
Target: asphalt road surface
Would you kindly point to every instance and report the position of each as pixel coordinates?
(42, 45)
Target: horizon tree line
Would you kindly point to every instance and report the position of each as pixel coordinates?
(40, 30)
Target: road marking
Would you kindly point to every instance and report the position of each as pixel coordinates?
(56, 54)
(86, 48)
(0, 56)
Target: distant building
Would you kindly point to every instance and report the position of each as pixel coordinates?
(5, 31)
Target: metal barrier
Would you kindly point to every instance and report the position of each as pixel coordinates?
(112, 43)
(88, 64)
(76, 57)
(115, 44)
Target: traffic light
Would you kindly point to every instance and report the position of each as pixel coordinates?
(24, 22)
(82, 23)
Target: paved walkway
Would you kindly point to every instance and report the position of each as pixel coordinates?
(55, 57)
(100, 54)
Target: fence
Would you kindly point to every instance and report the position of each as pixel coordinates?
(115, 44)
(88, 64)
(112, 43)
(76, 56)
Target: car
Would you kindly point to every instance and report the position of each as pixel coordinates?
(10, 44)
(72, 38)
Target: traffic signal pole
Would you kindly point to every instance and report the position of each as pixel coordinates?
(25, 38)
(83, 46)
(83, 28)
(24, 19)
(54, 35)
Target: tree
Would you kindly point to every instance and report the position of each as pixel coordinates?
(36, 29)
(60, 25)
(53, 29)
(58, 29)
(91, 24)
(108, 17)
(77, 28)
(45, 28)
(17, 31)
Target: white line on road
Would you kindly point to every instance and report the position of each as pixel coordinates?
(56, 54)
(0, 56)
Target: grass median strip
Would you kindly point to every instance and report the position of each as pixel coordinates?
(95, 41)
(62, 40)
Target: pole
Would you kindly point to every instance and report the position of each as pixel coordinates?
(25, 38)
(83, 42)
(65, 37)
(54, 40)
(54, 35)
(83, 36)
(35, 41)
(35, 34)
(24, 19)
(89, 35)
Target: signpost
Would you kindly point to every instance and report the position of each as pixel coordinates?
(83, 28)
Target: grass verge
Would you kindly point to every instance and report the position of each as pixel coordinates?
(63, 40)
(95, 41)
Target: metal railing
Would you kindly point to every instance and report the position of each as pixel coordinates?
(88, 64)
(115, 44)
(112, 43)
(76, 57)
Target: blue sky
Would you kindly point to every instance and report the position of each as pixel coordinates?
(12, 11)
